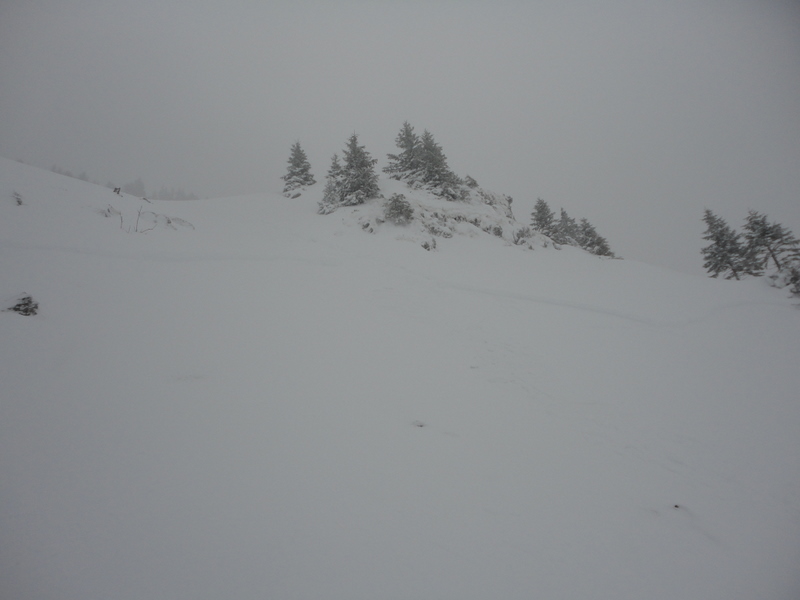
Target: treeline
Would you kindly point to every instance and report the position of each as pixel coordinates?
(761, 248)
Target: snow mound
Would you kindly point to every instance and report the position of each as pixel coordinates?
(480, 213)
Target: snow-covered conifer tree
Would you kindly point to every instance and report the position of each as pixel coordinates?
(766, 241)
(332, 194)
(591, 241)
(298, 174)
(405, 165)
(359, 179)
(351, 183)
(565, 230)
(725, 254)
(421, 162)
(435, 174)
(542, 218)
(398, 210)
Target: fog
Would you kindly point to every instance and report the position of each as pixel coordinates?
(635, 115)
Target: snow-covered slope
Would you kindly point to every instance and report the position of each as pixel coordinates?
(241, 398)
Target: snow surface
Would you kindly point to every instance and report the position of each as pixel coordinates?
(250, 400)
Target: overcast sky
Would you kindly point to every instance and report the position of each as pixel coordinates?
(634, 114)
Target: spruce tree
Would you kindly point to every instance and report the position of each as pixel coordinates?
(602, 248)
(565, 230)
(542, 218)
(591, 241)
(398, 210)
(768, 241)
(435, 174)
(725, 254)
(405, 166)
(359, 179)
(332, 194)
(421, 162)
(298, 174)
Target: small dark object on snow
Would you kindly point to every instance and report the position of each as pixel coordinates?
(25, 306)
(677, 506)
(418, 424)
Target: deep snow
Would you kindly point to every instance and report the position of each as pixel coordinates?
(263, 402)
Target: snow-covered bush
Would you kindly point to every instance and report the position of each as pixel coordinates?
(398, 210)
(794, 280)
(522, 235)
(25, 305)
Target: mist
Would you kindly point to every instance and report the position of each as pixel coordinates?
(636, 116)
